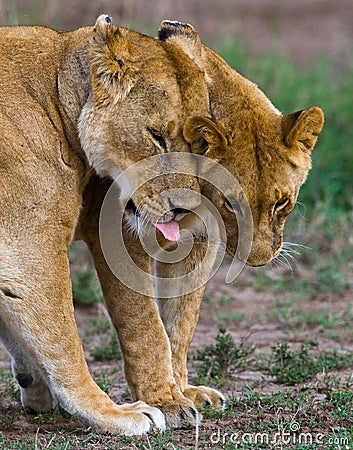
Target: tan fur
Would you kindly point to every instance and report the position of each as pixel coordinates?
(269, 154)
(118, 85)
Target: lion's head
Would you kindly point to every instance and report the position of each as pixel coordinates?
(267, 153)
(143, 90)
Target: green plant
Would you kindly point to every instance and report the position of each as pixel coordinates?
(217, 362)
(10, 388)
(85, 287)
(291, 367)
(103, 381)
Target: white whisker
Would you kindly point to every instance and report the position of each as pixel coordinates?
(285, 262)
(143, 219)
(290, 245)
(280, 262)
(287, 256)
(301, 208)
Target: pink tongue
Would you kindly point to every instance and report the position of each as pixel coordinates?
(170, 230)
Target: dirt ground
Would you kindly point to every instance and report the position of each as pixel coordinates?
(254, 322)
(301, 29)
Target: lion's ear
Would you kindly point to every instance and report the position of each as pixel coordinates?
(205, 136)
(102, 28)
(110, 57)
(182, 35)
(303, 128)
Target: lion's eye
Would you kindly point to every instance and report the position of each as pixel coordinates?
(281, 204)
(232, 206)
(159, 140)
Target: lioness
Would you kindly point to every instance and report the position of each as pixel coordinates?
(104, 99)
(268, 154)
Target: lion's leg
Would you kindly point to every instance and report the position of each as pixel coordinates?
(180, 316)
(144, 342)
(38, 313)
(35, 394)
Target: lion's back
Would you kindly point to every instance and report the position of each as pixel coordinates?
(35, 155)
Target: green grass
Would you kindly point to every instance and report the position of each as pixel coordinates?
(307, 416)
(10, 386)
(308, 291)
(291, 367)
(229, 317)
(216, 363)
(290, 418)
(299, 414)
(106, 345)
(103, 381)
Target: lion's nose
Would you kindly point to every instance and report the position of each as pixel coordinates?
(177, 211)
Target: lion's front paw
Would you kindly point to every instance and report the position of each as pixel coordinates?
(130, 419)
(135, 419)
(204, 396)
(180, 414)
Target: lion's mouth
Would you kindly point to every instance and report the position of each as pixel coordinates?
(169, 228)
(130, 206)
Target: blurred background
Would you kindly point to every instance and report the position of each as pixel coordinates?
(301, 30)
